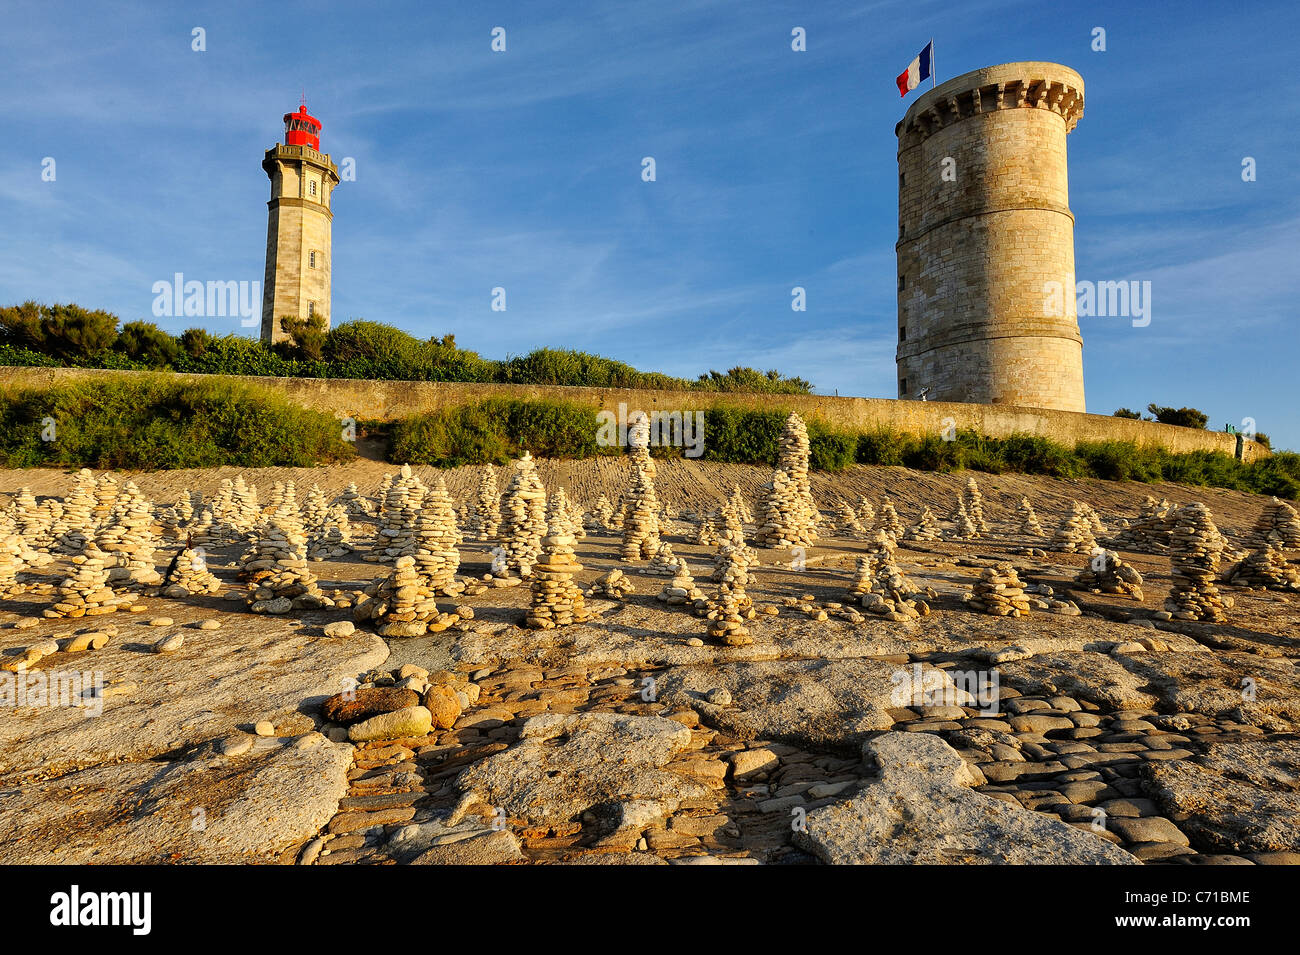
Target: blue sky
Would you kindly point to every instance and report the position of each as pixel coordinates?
(522, 170)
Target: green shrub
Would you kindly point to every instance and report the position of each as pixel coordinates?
(494, 431)
(831, 450)
(146, 342)
(160, 422)
(1183, 417)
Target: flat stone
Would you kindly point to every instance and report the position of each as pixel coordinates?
(408, 721)
(365, 702)
(921, 810)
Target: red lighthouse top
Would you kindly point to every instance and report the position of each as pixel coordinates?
(300, 129)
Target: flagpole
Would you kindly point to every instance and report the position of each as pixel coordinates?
(933, 71)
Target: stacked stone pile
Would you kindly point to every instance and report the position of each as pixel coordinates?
(127, 536)
(788, 513)
(706, 534)
(332, 537)
(1279, 526)
(681, 590)
(1150, 532)
(523, 518)
(890, 522)
(486, 517)
(641, 504)
(1029, 524)
(106, 493)
(87, 592)
(847, 518)
(963, 527)
(1074, 535)
(664, 563)
(11, 562)
(573, 514)
(314, 509)
(737, 507)
(276, 568)
(862, 580)
(556, 599)
(975, 507)
(1106, 573)
(436, 556)
(1195, 550)
(401, 509)
(925, 529)
(1266, 568)
(77, 526)
(559, 516)
(1094, 521)
(601, 515)
(31, 521)
(999, 592)
(189, 576)
(866, 514)
(726, 616)
(353, 504)
(402, 604)
(243, 511)
(614, 585)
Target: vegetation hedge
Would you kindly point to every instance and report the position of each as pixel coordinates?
(161, 422)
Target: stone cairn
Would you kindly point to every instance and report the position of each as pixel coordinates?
(1029, 525)
(1094, 520)
(574, 514)
(641, 504)
(188, 575)
(560, 518)
(975, 506)
(486, 516)
(1266, 568)
(890, 522)
(106, 494)
(244, 513)
(127, 536)
(726, 616)
(1074, 535)
(1195, 549)
(1106, 573)
(11, 562)
(706, 535)
(32, 522)
(847, 518)
(523, 519)
(1279, 526)
(600, 515)
(664, 563)
(1151, 532)
(614, 585)
(788, 512)
(737, 507)
(401, 604)
(999, 592)
(398, 515)
(681, 589)
(332, 537)
(556, 599)
(892, 595)
(87, 593)
(78, 524)
(861, 583)
(866, 515)
(925, 529)
(276, 568)
(963, 527)
(353, 504)
(434, 543)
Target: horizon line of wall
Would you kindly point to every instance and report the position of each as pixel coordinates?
(363, 399)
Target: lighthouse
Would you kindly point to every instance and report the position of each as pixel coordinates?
(298, 253)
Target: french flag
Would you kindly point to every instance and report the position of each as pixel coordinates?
(922, 68)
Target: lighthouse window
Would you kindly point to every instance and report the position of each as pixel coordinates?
(311, 186)
(311, 260)
(311, 309)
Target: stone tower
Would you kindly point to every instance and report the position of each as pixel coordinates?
(297, 281)
(986, 237)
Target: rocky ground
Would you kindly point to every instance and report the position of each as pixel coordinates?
(1109, 737)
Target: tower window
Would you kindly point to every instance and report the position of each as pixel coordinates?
(311, 259)
(902, 333)
(311, 186)
(902, 386)
(902, 282)
(311, 309)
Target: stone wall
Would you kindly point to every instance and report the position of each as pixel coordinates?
(387, 400)
(984, 223)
